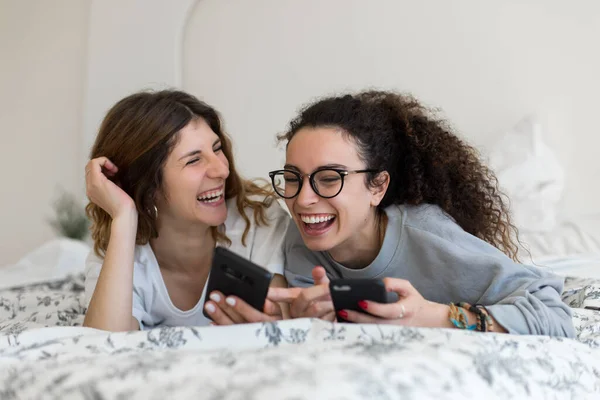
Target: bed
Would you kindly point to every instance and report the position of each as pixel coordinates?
(46, 354)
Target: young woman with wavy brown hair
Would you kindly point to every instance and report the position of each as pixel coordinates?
(163, 192)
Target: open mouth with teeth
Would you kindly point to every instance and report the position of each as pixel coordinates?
(211, 197)
(317, 224)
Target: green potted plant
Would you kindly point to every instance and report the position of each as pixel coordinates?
(69, 217)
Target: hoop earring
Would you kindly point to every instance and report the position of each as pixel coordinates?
(155, 212)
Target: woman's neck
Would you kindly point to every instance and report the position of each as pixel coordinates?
(181, 248)
(364, 246)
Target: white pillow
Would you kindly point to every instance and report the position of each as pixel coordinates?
(530, 174)
(52, 261)
(569, 238)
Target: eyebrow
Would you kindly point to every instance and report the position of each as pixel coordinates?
(332, 166)
(196, 152)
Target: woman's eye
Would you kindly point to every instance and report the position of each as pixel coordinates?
(194, 161)
(332, 179)
(218, 149)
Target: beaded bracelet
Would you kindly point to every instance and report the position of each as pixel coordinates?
(485, 323)
(459, 318)
(489, 321)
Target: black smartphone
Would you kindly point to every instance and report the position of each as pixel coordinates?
(346, 293)
(234, 275)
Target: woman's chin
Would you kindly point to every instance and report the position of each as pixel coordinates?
(317, 243)
(216, 217)
(214, 221)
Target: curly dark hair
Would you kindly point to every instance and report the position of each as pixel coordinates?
(427, 163)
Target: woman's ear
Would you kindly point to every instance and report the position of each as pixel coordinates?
(159, 199)
(379, 188)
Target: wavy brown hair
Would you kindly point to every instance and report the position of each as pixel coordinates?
(137, 135)
(426, 161)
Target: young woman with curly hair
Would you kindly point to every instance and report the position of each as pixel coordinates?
(379, 188)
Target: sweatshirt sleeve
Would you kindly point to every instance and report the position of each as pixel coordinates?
(526, 300)
(460, 267)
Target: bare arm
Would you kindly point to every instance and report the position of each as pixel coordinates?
(111, 304)
(112, 301)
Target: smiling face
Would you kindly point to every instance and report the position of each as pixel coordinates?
(340, 223)
(194, 178)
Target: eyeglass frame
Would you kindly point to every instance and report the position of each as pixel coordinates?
(342, 172)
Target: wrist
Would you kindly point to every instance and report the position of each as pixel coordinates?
(439, 316)
(125, 207)
(126, 220)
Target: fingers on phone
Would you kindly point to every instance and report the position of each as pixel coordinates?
(359, 317)
(232, 313)
(216, 314)
(401, 286)
(387, 311)
(242, 311)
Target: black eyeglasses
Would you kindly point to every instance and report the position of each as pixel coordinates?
(326, 182)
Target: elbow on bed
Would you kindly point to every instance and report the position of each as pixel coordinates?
(565, 327)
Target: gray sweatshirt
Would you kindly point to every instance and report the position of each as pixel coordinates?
(445, 264)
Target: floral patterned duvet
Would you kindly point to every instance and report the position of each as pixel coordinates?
(46, 354)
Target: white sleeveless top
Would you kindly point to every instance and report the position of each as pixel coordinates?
(152, 305)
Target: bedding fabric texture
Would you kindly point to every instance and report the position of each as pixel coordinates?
(45, 353)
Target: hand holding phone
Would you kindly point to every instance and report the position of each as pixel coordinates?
(346, 293)
(234, 275)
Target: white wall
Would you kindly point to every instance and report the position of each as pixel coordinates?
(133, 45)
(485, 63)
(64, 63)
(42, 64)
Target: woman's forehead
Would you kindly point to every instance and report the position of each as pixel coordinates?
(196, 133)
(313, 147)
